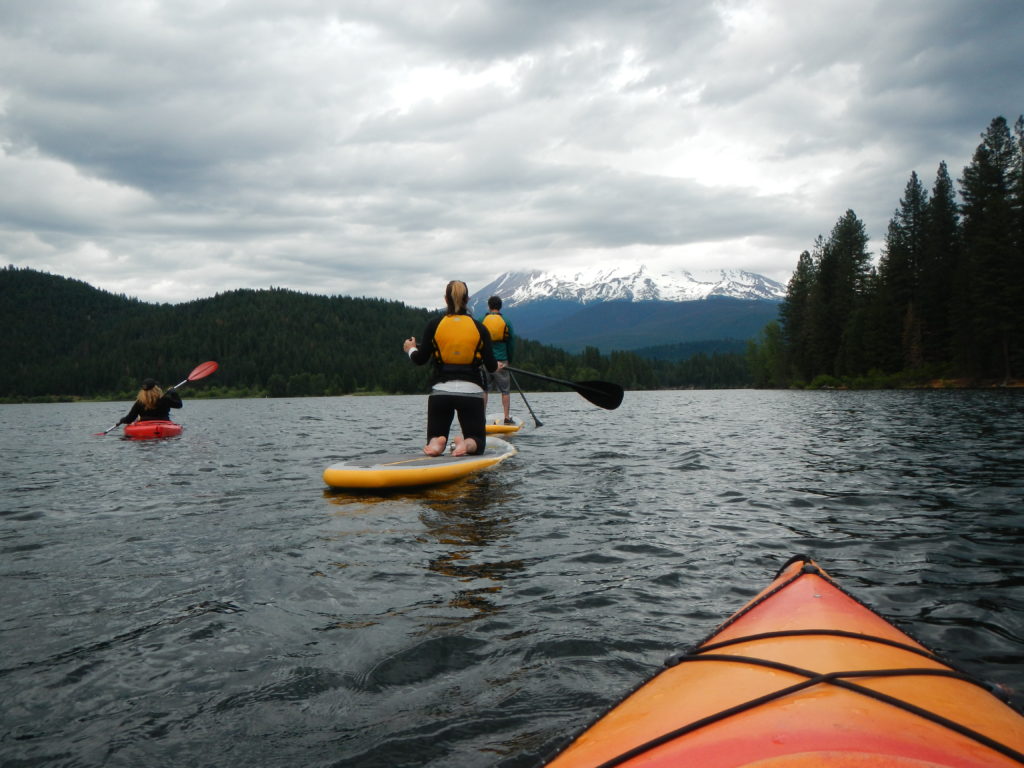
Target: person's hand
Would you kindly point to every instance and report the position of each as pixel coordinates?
(409, 344)
(121, 421)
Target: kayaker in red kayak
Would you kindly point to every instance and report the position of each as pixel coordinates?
(152, 403)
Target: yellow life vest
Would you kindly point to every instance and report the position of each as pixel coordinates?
(457, 341)
(496, 324)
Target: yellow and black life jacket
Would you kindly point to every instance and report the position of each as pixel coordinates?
(457, 342)
(496, 324)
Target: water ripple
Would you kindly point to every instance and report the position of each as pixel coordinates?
(204, 601)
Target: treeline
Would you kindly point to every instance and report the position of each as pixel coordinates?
(65, 339)
(945, 301)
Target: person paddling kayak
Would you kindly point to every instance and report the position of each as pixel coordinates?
(460, 348)
(152, 403)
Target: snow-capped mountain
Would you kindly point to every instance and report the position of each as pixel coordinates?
(624, 308)
(629, 284)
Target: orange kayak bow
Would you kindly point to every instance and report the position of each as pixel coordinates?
(805, 675)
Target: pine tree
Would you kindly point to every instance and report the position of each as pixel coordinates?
(899, 281)
(765, 358)
(1015, 285)
(989, 300)
(843, 269)
(794, 318)
(940, 256)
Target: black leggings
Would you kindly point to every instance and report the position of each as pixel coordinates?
(441, 409)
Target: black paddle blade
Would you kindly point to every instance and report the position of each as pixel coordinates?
(603, 394)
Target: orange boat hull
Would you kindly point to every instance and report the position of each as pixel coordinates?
(805, 675)
(142, 430)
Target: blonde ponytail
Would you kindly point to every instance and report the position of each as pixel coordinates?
(148, 397)
(456, 296)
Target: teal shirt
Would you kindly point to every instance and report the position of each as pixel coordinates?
(503, 350)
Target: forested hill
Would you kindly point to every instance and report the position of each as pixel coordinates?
(65, 338)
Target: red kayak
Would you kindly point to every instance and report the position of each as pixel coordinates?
(805, 676)
(144, 430)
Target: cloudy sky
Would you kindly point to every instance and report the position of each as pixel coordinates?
(174, 149)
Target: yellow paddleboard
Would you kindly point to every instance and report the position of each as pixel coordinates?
(398, 471)
(496, 425)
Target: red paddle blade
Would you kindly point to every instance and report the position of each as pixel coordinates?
(203, 370)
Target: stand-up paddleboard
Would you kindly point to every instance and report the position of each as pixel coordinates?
(143, 430)
(496, 424)
(405, 470)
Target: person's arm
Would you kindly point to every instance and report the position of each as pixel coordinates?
(510, 343)
(172, 398)
(133, 414)
(422, 351)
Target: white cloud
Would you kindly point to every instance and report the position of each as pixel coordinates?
(42, 193)
(173, 150)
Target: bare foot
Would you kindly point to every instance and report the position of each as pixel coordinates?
(464, 446)
(436, 446)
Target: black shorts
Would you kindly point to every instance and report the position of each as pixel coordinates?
(441, 409)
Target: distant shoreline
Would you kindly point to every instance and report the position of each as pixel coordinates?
(933, 384)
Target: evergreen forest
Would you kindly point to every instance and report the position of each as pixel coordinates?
(944, 305)
(65, 340)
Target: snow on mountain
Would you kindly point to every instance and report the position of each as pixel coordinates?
(619, 283)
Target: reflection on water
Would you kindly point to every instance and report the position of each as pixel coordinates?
(468, 523)
(205, 601)
(460, 517)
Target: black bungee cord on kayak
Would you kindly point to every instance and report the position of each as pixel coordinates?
(810, 567)
(838, 679)
(700, 652)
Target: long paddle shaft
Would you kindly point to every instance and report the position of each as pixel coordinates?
(603, 394)
(536, 421)
(201, 371)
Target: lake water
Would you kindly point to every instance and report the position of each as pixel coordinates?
(205, 601)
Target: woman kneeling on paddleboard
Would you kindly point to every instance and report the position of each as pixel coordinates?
(152, 403)
(460, 347)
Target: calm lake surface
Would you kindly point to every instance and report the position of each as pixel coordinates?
(205, 601)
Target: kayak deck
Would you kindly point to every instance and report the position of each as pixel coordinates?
(805, 675)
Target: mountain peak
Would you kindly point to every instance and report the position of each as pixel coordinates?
(634, 284)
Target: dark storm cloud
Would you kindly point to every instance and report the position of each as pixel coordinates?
(368, 147)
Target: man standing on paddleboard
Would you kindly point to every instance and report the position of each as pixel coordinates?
(501, 338)
(461, 349)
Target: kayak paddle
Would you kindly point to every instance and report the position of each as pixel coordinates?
(603, 394)
(201, 371)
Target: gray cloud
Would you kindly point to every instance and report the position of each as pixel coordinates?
(175, 150)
